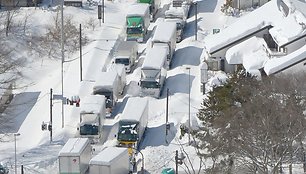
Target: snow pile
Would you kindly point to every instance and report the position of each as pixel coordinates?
(250, 53)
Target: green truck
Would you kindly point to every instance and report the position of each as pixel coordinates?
(154, 5)
(137, 22)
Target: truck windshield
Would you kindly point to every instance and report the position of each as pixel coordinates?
(124, 61)
(127, 132)
(134, 30)
(149, 84)
(88, 129)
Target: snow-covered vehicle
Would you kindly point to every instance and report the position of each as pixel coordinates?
(120, 70)
(154, 72)
(165, 36)
(178, 15)
(133, 122)
(137, 22)
(111, 160)
(74, 156)
(126, 54)
(154, 6)
(108, 84)
(92, 117)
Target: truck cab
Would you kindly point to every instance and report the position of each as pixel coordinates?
(137, 22)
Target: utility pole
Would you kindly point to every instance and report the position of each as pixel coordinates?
(178, 160)
(81, 53)
(189, 128)
(99, 13)
(63, 57)
(50, 124)
(167, 113)
(103, 11)
(196, 20)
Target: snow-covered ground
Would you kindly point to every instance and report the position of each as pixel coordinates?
(30, 106)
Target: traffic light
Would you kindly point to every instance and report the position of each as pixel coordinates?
(43, 126)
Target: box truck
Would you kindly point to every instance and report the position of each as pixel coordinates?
(74, 156)
(137, 22)
(154, 72)
(126, 54)
(165, 36)
(92, 117)
(178, 15)
(133, 122)
(120, 70)
(153, 7)
(111, 160)
(107, 84)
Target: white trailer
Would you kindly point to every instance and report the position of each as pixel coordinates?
(165, 36)
(154, 72)
(74, 157)
(111, 160)
(154, 6)
(133, 122)
(107, 84)
(137, 22)
(178, 15)
(92, 117)
(120, 70)
(126, 54)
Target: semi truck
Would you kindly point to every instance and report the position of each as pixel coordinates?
(153, 7)
(126, 54)
(165, 36)
(92, 117)
(133, 122)
(179, 16)
(74, 157)
(137, 22)
(154, 72)
(111, 160)
(107, 84)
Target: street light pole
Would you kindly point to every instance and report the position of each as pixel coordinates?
(15, 135)
(142, 161)
(188, 68)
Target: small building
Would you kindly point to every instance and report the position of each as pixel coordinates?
(244, 4)
(74, 3)
(19, 3)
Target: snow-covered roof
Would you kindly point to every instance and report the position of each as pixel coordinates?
(293, 23)
(250, 53)
(138, 9)
(107, 155)
(178, 11)
(273, 13)
(90, 118)
(92, 104)
(164, 31)
(106, 79)
(118, 68)
(155, 58)
(124, 48)
(134, 108)
(278, 64)
(74, 147)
